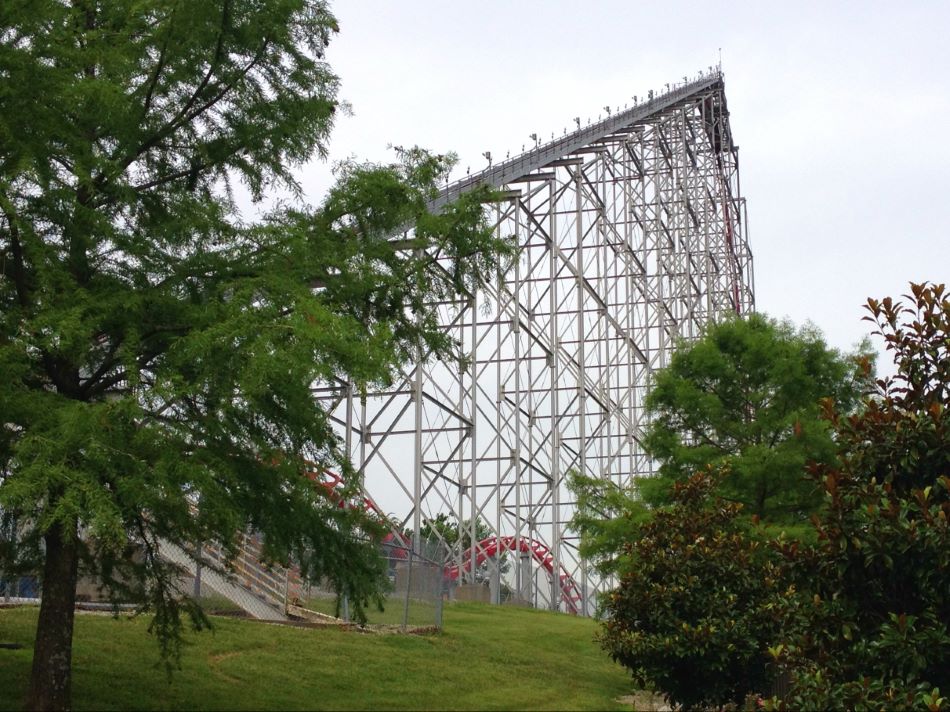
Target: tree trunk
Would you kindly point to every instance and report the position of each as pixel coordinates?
(760, 496)
(52, 653)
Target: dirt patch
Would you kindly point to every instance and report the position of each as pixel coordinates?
(304, 617)
(369, 628)
(227, 612)
(220, 657)
(645, 702)
(215, 660)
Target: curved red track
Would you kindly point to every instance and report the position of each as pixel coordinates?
(485, 549)
(332, 483)
(493, 545)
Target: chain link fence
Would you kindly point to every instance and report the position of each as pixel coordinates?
(417, 589)
(18, 571)
(418, 585)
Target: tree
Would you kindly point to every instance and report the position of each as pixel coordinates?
(746, 396)
(744, 399)
(158, 352)
(457, 537)
(453, 532)
(872, 630)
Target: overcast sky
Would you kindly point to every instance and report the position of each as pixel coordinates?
(841, 112)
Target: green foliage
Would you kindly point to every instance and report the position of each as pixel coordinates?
(607, 517)
(20, 551)
(856, 616)
(876, 633)
(453, 532)
(157, 352)
(456, 537)
(745, 396)
(744, 399)
(690, 617)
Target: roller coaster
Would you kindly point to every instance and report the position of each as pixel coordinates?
(632, 236)
(487, 549)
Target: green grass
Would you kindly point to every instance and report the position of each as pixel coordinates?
(487, 657)
(421, 613)
(219, 604)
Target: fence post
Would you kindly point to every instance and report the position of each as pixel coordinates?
(438, 596)
(405, 610)
(286, 587)
(197, 587)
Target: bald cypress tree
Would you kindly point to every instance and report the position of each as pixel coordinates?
(157, 352)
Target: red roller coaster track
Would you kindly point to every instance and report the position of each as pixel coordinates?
(485, 549)
(493, 545)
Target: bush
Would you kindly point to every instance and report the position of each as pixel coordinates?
(691, 616)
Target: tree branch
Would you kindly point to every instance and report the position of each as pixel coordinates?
(181, 119)
(108, 362)
(183, 173)
(19, 266)
(104, 385)
(212, 66)
(159, 68)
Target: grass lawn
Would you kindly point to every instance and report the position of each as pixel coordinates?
(420, 613)
(487, 657)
